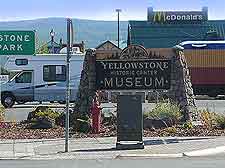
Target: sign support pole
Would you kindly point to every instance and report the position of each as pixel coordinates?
(67, 126)
(118, 26)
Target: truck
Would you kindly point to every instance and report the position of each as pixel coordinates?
(206, 62)
(40, 78)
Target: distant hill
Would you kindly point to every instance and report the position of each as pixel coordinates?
(90, 31)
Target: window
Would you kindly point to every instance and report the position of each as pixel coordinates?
(25, 77)
(54, 73)
(21, 62)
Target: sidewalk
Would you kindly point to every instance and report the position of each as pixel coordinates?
(104, 148)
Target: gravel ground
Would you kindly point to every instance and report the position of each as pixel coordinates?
(19, 131)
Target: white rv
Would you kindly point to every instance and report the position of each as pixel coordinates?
(40, 78)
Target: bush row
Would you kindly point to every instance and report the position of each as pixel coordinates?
(171, 111)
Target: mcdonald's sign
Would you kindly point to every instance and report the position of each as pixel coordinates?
(179, 16)
(159, 17)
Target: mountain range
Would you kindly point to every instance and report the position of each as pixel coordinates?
(92, 32)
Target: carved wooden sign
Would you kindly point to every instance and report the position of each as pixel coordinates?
(133, 74)
(133, 70)
(134, 52)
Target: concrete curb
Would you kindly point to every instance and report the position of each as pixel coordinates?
(206, 152)
(196, 153)
(146, 156)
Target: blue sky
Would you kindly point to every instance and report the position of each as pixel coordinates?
(101, 9)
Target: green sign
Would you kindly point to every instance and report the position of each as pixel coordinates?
(17, 42)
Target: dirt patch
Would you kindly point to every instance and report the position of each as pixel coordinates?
(20, 131)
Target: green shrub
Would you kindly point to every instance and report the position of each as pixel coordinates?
(188, 125)
(49, 113)
(211, 119)
(82, 123)
(146, 114)
(171, 130)
(43, 112)
(2, 113)
(162, 110)
(208, 118)
(220, 121)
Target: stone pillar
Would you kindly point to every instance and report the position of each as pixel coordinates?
(86, 89)
(181, 88)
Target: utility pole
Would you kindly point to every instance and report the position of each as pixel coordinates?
(69, 44)
(118, 24)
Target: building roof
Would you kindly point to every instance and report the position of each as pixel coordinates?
(105, 43)
(156, 35)
(122, 44)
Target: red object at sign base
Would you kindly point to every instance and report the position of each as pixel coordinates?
(96, 116)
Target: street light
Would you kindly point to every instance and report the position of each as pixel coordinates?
(118, 33)
(52, 34)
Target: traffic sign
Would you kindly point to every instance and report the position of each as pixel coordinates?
(17, 42)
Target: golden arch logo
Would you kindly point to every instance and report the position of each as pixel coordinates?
(159, 17)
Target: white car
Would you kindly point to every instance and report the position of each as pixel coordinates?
(75, 50)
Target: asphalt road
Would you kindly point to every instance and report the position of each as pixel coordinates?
(207, 162)
(20, 112)
(217, 106)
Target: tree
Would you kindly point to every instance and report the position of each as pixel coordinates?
(43, 49)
